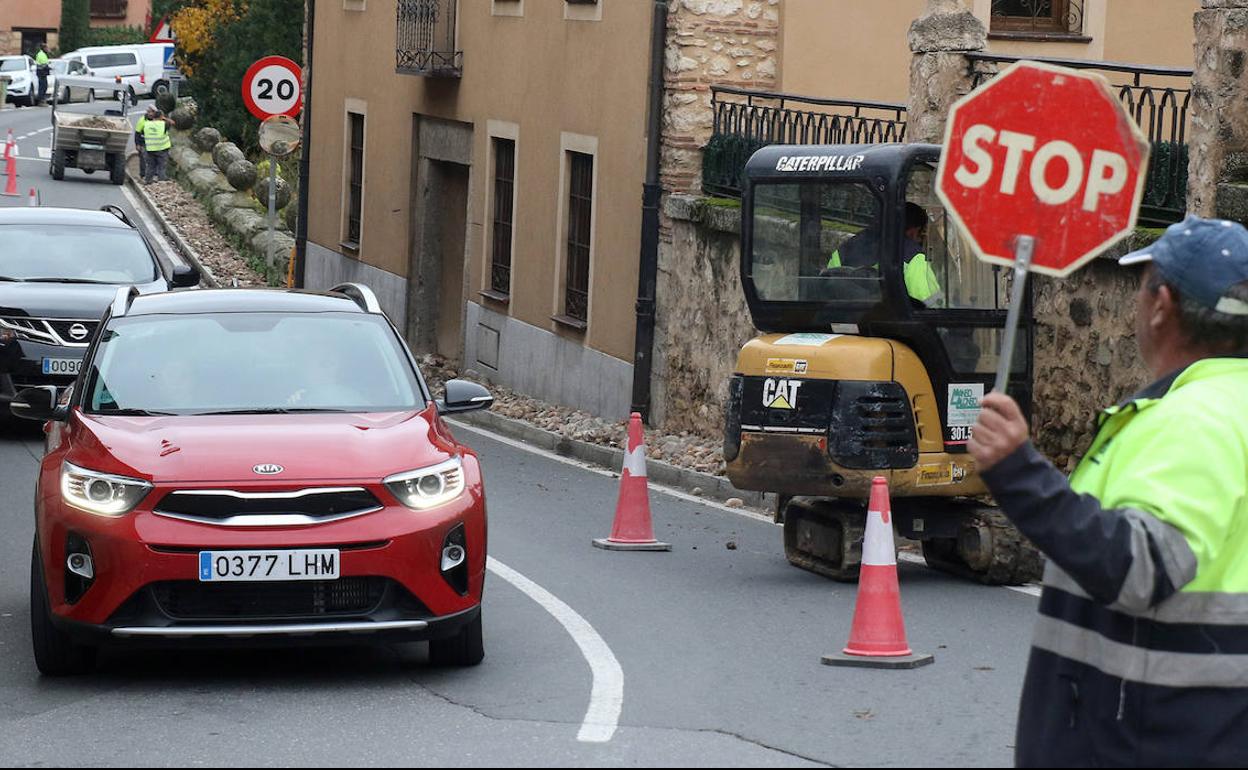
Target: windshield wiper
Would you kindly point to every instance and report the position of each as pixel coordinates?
(274, 410)
(134, 413)
(11, 278)
(64, 280)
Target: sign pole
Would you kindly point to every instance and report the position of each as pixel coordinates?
(1024, 248)
(273, 210)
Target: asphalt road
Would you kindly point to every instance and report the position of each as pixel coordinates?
(32, 130)
(718, 649)
(705, 656)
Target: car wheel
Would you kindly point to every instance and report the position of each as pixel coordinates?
(55, 653)
(159, 88)
(466, 648)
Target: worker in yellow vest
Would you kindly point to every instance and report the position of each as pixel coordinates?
(156, 139)
(140, 141)
(42, 70)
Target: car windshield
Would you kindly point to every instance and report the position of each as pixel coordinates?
(74, 254)
(251, 363)
(12, 65)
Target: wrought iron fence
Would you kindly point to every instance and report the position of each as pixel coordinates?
(1159, 99)
(426, 44)
(746, 120)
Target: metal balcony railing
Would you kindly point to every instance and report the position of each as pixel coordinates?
(746, 120)
(1159, 98)
(1045, 17)
(109, 9)
(426, 41)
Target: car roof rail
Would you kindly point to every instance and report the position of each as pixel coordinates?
(121, 302)
(361, 295)
(117, 212)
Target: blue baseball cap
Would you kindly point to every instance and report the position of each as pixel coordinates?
(1203, 259)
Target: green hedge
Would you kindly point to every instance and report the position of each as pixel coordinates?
(75, 24)
(115, 36)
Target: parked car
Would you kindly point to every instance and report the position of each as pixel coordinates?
(251, 466)
(23, 84)
(63, 67)
(59, 270)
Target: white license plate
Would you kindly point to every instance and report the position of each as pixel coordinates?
(62, 365)
(268, 566)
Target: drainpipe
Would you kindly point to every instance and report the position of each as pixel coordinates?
(301, 227)
(648, 268)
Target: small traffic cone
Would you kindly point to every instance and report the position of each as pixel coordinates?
(878, 636)
(10, 170)
(9, 144)
(32, 200)
(633, 530)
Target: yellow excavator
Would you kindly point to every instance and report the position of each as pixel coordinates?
(880, 333)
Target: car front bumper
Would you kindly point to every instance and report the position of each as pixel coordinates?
(146, 575)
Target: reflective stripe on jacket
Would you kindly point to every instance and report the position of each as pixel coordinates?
(156, 135)
(1140, 655)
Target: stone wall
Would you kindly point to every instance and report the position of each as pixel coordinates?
(1218, 170)
(1085, 356)
(711, 42)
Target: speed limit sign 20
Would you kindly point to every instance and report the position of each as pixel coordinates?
(273, 86)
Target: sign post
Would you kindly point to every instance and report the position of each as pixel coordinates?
(1042, 170)
(273, 92)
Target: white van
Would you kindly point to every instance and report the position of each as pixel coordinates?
(141, 67)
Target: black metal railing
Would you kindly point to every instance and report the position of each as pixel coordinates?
(1046, 17)
(1159, 98)
(425, 43)
(746, 120)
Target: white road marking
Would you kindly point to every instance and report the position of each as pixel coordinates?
(45, 153)
(153, 229)
(1031, 589)
(606, 700)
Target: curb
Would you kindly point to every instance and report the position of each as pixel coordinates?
(714, 488)
(171, 232)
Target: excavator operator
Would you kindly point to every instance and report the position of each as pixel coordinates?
(862, 251)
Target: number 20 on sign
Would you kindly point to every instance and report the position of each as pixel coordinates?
(273, 86)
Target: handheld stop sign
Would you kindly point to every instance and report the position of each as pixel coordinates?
(1042, 169)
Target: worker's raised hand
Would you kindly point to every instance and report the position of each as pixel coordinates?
(999, 432)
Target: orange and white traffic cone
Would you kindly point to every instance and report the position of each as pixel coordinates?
(10, 170)
(633, 530)
(32, 200)
(9, 145)
(878, 636)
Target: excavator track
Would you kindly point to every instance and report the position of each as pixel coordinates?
(988, 549)
(825, 537)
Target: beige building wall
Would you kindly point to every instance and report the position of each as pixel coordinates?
(555, 83)
(856, 49)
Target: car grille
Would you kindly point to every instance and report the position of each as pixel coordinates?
(191, 600)
(52, 331)
(259, 509)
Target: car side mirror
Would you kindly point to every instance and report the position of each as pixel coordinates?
(37, 403)
(464, 396)
(184, 277)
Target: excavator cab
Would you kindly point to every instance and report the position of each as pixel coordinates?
(880, 333)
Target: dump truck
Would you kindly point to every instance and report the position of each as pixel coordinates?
(87, 140)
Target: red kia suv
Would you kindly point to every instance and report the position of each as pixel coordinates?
(253, 466)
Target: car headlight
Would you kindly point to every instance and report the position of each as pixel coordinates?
(101, 493)
(430, 487)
